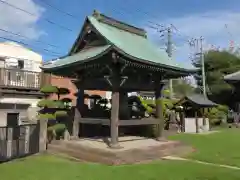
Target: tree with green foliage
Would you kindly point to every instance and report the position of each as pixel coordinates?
(182, 87)
(53, 109)
(217, 115)
(150, 106)
(217, 65)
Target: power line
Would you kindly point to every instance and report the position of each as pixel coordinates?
(52, 53)
(32, 14)
(146, 13)
(58, 9)
(22, 36)
(123, 11)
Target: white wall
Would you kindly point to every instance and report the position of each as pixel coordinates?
(32, 60)
(190, 125)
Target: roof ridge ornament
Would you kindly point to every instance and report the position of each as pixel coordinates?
(119, 24)
(97, 14)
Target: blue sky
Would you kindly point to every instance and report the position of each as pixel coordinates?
(192, 18)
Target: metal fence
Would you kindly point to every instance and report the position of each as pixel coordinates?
(19, 78)
(19, 141)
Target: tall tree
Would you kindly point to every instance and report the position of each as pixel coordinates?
(217, 65)
(182, 87)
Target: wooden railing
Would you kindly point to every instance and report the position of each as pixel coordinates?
(20, 78)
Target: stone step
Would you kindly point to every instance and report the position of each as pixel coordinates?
(115, 157)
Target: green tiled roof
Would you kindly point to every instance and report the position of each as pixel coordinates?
(83, 56)
(135, 46)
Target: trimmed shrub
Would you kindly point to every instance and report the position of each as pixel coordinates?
(48, 89)
(46, 103)
(217, 114)
(57, 130)
(61, 113)
(46, 116)
(59, 104)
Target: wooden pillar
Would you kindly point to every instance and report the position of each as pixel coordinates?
(196, 121)
(114, 120)
(204, 119)
(182, 119)
(115, 104)
(77, 114)
(159, 109)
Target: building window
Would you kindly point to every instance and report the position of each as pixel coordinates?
(20, 64)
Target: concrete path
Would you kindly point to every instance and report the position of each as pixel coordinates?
(200, 162)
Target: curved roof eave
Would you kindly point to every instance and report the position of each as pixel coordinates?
(77, 60)
(153, 63)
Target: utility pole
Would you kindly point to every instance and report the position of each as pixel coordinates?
(169, 48)
(169, 52)
(198, 48)
(203, 67)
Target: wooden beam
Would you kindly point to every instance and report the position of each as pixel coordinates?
(137, 122)
(104, 122)
(159, 108)
(105, 83)
(130, 122)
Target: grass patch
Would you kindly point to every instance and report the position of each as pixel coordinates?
(54, 168)
(221, 147)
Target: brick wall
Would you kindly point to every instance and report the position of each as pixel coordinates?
(66, 83)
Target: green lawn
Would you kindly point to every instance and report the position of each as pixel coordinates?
(221, 147)
(53, 168)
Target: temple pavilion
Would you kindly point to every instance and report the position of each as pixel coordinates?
(234, 80)
(111, 55)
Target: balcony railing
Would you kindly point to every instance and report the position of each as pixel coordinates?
(20, 78)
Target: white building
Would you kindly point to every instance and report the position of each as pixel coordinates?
(20, 79)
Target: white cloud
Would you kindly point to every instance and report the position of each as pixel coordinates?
(210, 25)
(20, 22)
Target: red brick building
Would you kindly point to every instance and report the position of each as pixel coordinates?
(67, 83)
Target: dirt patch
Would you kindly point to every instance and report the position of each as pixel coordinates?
(80, 153)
